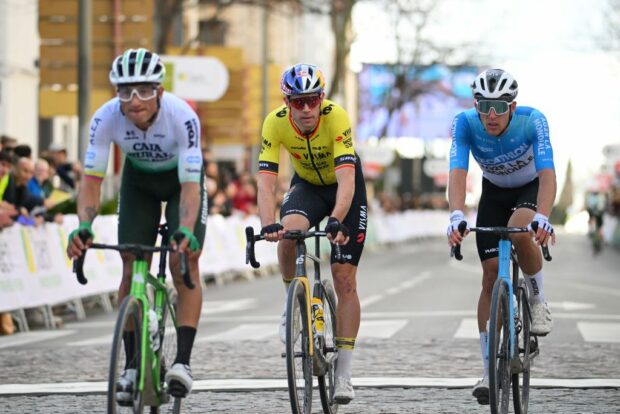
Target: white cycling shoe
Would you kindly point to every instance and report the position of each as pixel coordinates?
(343, 391)
(124, 385)
(481, 391)
(542, 323)
(179, 380)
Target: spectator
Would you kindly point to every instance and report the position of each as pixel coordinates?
(68, 172)
(244, 198)
(22, 150)
(17, 192)
(40, 184)
(7, 143)
(7, 210)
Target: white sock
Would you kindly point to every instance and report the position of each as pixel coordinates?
(484, 349)
(535, 287)
(343, 366)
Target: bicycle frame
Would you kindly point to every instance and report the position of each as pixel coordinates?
(503, 275)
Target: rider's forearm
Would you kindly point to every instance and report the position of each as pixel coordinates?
(88, 199)
(189, 204)
(266, 198)
(547, 188)
(345, 192)
(456, 189)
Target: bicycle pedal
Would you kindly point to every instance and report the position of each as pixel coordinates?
(177, 390)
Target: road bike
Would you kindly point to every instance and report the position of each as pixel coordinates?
(310, 324)
(146, 317)
(511, 345)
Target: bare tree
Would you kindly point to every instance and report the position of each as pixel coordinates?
(410, 20)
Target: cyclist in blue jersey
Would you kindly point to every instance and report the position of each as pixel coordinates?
(512, 146)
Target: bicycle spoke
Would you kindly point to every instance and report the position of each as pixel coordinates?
(298, 360)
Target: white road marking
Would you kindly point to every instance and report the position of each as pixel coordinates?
(23, 338)
(98, 340)
(245, 332)
(571, 306)
(468, 329)
(407, 284)
(100, 387)
(381, 329)
(212, 307)
(599, 331)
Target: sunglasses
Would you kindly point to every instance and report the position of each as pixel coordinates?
(300, 103)
(143, 92)
(499, 107)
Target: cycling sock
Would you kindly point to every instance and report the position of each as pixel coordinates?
(484, 349)
(345, 355)
(535, 287)
(129, 343)
(185, 342)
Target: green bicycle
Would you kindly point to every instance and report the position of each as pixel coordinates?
(147, 319)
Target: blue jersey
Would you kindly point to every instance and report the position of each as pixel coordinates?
(511, 160)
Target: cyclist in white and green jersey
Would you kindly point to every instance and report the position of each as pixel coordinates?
(159, 134)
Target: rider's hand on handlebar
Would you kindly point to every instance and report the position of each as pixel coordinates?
(188, 242)
(338, 232)
(75, 245)
(454, 236)
(272, 232)
(545, 230)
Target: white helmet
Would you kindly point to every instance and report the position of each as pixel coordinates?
(495, 84)
(137, 66)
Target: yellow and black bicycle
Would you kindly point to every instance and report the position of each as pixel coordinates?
(310, 324)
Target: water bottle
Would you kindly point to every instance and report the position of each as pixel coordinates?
(317, 313)
(153, 330)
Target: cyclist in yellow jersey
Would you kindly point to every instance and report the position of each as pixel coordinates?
(328, 182)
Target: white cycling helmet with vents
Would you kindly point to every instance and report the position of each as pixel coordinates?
(495, 84)
(137, 66)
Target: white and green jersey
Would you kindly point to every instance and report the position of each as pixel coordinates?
(173, 140)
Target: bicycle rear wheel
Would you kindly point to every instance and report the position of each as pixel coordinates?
(499, 352)
(129, 317)
(298, 359)
(327, 382)
(521, 392)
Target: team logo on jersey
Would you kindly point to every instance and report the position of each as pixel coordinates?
(129, 135)
(327, 109)
(93, 129)
(190, 125)
(282, 113)
(194, 159)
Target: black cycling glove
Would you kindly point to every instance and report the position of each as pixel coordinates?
(271, 228)
(334, 226)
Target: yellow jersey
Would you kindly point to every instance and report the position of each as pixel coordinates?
(315, 156)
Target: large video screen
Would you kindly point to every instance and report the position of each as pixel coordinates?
(406, 101)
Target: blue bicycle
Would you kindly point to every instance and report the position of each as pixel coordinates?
(511, 347)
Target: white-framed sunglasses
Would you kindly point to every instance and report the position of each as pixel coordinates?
(484, 106)
(143, 92)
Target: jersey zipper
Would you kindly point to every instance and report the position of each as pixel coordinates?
(318, 173)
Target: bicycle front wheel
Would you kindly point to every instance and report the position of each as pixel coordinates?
(521, 392)
(168, 341)
(298, 358)
(327, 381)
(499, 352)
(123, 398)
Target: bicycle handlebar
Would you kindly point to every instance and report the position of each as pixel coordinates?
(136, 249)
(455, 251)
(252, 238)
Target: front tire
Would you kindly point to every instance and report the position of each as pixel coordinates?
(298, 358)
(129, 319)
(521, 392)
(499, 351)
(327, 382)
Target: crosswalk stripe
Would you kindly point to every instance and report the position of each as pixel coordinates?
(245, 332)
(468, 329)
(24, 338)
(100, 387)
(381, 329)
(599, 331)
